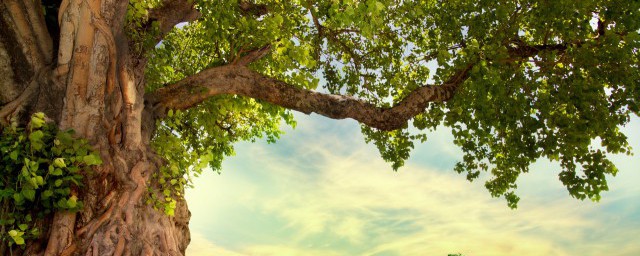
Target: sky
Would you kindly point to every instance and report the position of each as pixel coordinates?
(321, 190)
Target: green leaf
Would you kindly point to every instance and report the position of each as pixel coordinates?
(62, 203)
(33, 182)
(379, 6)
(92, 159)
(56, 172)
(18, 198)
(29, 194)
(25, 172)
(59, 162)
(36, 136)
(18, 240)
(37, 120)
(46, 194)
(39, 180)
(14, 155)
(72, 202)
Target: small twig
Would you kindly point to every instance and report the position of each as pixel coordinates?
(252, 55)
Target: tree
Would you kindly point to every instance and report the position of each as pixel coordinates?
(515, 81)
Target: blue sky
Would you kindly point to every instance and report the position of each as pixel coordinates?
(320, 190)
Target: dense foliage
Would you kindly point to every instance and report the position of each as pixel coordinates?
(549, 79)
(42, 169)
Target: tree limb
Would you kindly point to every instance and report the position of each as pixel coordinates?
(240, 80)
(171, 13)
(237, 79)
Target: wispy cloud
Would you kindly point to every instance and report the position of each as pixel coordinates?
(201, 246)
(323, 192)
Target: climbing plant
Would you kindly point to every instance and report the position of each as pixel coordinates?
(41, 168)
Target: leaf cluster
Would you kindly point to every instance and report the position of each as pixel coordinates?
(202, 136)
(141, 31)
(41, 168)
(554, 79)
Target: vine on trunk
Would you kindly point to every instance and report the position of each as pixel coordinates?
(42, 167)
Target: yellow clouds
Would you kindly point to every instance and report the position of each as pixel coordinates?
(322, 191)
(200, 246)
(356, 204)
(281, 250)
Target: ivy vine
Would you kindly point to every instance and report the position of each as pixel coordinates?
(41, 167)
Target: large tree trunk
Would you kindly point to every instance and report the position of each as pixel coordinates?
(94, 86)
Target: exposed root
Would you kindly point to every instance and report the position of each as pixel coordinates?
(120, 164)
(91, 227)
(141, 182)
(148, 251)
(124, 200)
(69, 250)
(119, 248)
(107, 199)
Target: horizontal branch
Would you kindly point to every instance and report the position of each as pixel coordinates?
(236, 79)
(240, 80)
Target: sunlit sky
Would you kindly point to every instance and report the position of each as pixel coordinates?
(321, 190)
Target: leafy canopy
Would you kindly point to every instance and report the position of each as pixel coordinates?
(549, 79)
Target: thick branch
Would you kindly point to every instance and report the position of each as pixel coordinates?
(239, 80)
(172, 12)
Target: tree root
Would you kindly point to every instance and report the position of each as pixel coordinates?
(69, 250)
(91, 227)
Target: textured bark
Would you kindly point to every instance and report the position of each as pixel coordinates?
(239, 80)
(94, 87)
(25, 53)
(172, 12)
